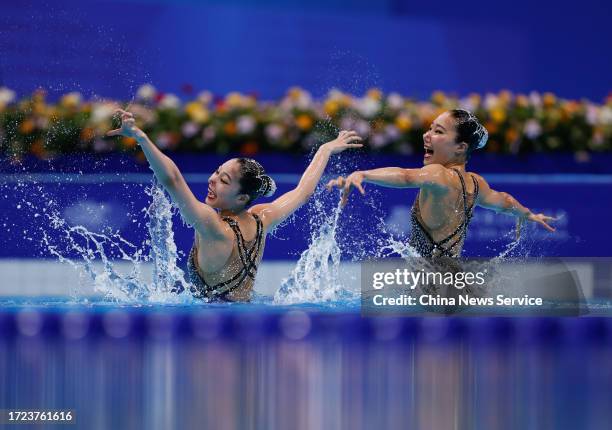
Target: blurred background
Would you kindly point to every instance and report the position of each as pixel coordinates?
(272, 79)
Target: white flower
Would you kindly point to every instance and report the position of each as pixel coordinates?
(205, 97)
(532, 129)
(6, 96)
(347, 123)
(468, 104)
(274, 132)
(335, 94)
(605, 116)
(208, 134)
(392, 132)
(245, 124)
(368, 107)
(592, 114)
(395, 101)
(189, 129)
(378, 140)
(490, 101)
(146, 92)
(102, 111)
(362, 127)
(535, 99)
(163, 140)
(170, 101)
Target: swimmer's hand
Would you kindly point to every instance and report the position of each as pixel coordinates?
(128, 126)
(354, 180)
(541, 219)
(344, 141)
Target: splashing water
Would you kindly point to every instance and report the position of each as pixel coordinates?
(131, 287)
(315, 278)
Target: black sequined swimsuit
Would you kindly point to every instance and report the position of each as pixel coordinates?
(239, 270)
(451, 246)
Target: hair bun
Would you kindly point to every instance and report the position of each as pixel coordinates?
(483, 135)
(268, 186)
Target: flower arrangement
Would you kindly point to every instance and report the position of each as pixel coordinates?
(392, 123)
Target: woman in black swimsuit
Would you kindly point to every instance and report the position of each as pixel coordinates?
(229, 233)
(445, 203)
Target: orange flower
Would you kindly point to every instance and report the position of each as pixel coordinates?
(498, 115)
(374, 93)
(87, 134)
(38, 148)
(491, 127)
(331, 107)
(26, 127)
(522, 101)
(403, 122)
(511, 135)
(230, 128)
(549, 99)
(304, 122)
(505, 97)
(249, 148)
(128, 142)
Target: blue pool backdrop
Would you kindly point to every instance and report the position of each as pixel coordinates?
(110, 47)
(109, 192)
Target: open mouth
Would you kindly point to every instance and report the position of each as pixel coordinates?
(428, 152)
(211, 194)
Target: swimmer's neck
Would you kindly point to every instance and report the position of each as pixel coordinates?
(233, 213)
(455, 165)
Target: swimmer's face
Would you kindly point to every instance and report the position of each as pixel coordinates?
(224, 187)
(440, 141)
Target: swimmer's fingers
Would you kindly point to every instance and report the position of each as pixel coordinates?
(348, 187)
(338, 183)
(543, 220)
(111, 133)
(547, 227)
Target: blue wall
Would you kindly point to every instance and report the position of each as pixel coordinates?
(109, 48)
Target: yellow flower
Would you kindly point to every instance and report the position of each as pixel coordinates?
(498, 115)
(549, 99)
(505, 97)
(374, 93)
(438, 97)
(403, 122)
(71, 100)
(295, 93)
(331, 107)
(234, 99)
(304, 122)
(522, 101)
(197, 112)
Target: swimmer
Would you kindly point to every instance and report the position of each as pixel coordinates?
(229, 233)
(448, 193)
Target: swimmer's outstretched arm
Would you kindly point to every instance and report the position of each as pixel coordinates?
(504, 203)
(275, 212)
(202, 217)
(431, 176)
